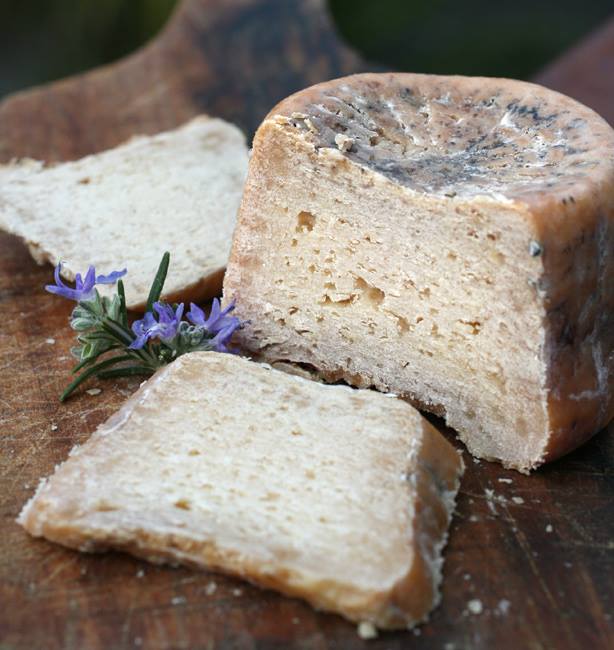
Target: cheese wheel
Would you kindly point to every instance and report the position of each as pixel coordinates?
(450, 239)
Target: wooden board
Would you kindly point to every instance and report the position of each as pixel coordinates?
(538, 551)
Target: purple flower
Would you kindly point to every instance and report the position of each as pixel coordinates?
(84, 287)
(220, 341)
(219, 325)
(165, 327)
(218, 318)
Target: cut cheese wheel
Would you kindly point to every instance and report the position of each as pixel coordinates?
(338, 496)
(450, 239)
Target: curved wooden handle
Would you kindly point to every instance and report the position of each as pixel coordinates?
(233, 59)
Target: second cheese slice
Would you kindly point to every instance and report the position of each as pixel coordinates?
(176, 191)
(337, 496)
(450, 239)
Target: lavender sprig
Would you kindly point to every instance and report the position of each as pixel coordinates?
(84, 287)
(153, 341)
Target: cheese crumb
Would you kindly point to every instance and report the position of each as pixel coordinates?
(94, 391)
(366, 630)
(210, 588)
(492, 499)
(54, 426)
(343, 142)
(518, 500)
(140, 573)
(503, 607)
(178, 600)
(50, 341)
(504, 480)
(475, 606)
(549, 528)
(237, 592)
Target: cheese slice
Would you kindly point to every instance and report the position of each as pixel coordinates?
(176, 191)
(338, 496)
(450, 239)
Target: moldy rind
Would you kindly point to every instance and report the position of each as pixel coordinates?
(456, 136)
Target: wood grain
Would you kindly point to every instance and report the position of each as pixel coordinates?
(538, 551)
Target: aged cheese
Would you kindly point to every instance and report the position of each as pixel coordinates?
(176, 191)
(338, 496)
(450, 239)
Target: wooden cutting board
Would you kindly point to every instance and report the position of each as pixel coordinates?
(537, 552)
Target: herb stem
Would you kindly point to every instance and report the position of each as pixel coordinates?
(129, 371)
(92, 371)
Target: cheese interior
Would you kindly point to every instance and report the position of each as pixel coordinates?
(446, 238)
(438, 296)
(338, 496)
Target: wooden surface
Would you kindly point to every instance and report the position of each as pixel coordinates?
(231, 58)
(538, 551)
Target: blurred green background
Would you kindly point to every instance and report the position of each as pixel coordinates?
(41, 40)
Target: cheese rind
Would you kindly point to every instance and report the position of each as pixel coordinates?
(447, 238)
(337, 496)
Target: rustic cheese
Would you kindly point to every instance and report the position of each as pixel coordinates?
(337, 496)
(450, 239)
(175, 191)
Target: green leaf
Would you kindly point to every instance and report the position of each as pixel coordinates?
(101, 346)
(123, 312)
(82, 324)
(158, 284)
(111, 307)
(89, 309)
(94, 348)
(90, 360)
(96, 335)
(119, 332)
(93, 306)
(128, 371)
(86, 351)
(92, 371)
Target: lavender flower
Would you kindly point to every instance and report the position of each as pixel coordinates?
(109, 348)
(219, 325)
(164, 328)
(220, 341)
(84, 287)
(218, 318)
